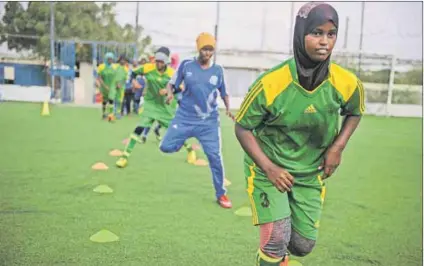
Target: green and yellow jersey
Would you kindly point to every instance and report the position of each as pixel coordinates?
(154, 103)
(121, 75)
(293, 126)
(108, 75)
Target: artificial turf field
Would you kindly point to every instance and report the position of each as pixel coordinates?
(163, 209)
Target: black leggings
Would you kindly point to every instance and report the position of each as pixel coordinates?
(128, 97)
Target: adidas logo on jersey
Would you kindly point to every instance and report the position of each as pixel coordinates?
(310, 110)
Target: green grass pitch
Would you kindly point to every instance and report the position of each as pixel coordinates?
(163, 209)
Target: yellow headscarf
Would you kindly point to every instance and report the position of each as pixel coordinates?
(205, 39)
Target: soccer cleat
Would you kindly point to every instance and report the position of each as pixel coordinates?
(122, 162)
(104, 116)
(285, 261)
(111, 118)
(225, 202)
(143, 139)
(157, 133)
(191, 157)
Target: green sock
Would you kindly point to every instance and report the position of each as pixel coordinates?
(264, 260)
(188, 147)
(130, 146)
(110, 108)
(118, 107)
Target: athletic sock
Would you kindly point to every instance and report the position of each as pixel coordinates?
(110, 108)
(188, 147)
(146, 131)
(130, 146)
(263, 259)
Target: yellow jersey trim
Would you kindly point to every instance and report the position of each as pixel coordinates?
(343, 81)
(276, 82)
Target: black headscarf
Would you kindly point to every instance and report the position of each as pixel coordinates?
(310, 73)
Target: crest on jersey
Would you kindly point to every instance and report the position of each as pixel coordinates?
(213, 80)
(304, 11)
(189, 74)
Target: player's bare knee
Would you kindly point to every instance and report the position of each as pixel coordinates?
(299, 245)
(275, 238)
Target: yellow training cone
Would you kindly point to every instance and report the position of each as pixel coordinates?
(244, 211)
(227, 182)
(103, 189)
(45, 110)
(99, 166)
(104, 236)
(116, 153)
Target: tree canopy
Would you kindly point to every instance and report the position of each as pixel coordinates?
(73, 21)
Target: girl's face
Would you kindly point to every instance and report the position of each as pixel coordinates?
(320, 42)
(206, 53)
(160, 65)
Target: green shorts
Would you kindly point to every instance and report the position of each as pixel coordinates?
(147, 121)
(153, 112)
(108, 95)
(303, 204)
(119, 95)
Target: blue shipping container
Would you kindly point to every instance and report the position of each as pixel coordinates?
(26, 74)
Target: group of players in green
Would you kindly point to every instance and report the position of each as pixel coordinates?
(288, 126)
(111, 79)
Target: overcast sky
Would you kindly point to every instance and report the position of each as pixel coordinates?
(389, 27)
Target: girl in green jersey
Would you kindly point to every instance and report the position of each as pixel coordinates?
(288, 127)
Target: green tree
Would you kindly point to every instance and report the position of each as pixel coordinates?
(73, 21)
(413, 77)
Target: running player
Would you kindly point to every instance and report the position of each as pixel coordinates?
(288, 127)
(121, 78)
(106, 75)
(136, 89)
(198, 115)
(157, 77)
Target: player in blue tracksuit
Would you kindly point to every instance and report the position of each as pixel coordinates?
(197, 115)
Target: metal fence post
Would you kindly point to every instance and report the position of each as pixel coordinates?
(94, 65)
(391, 84)
(52, 50)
